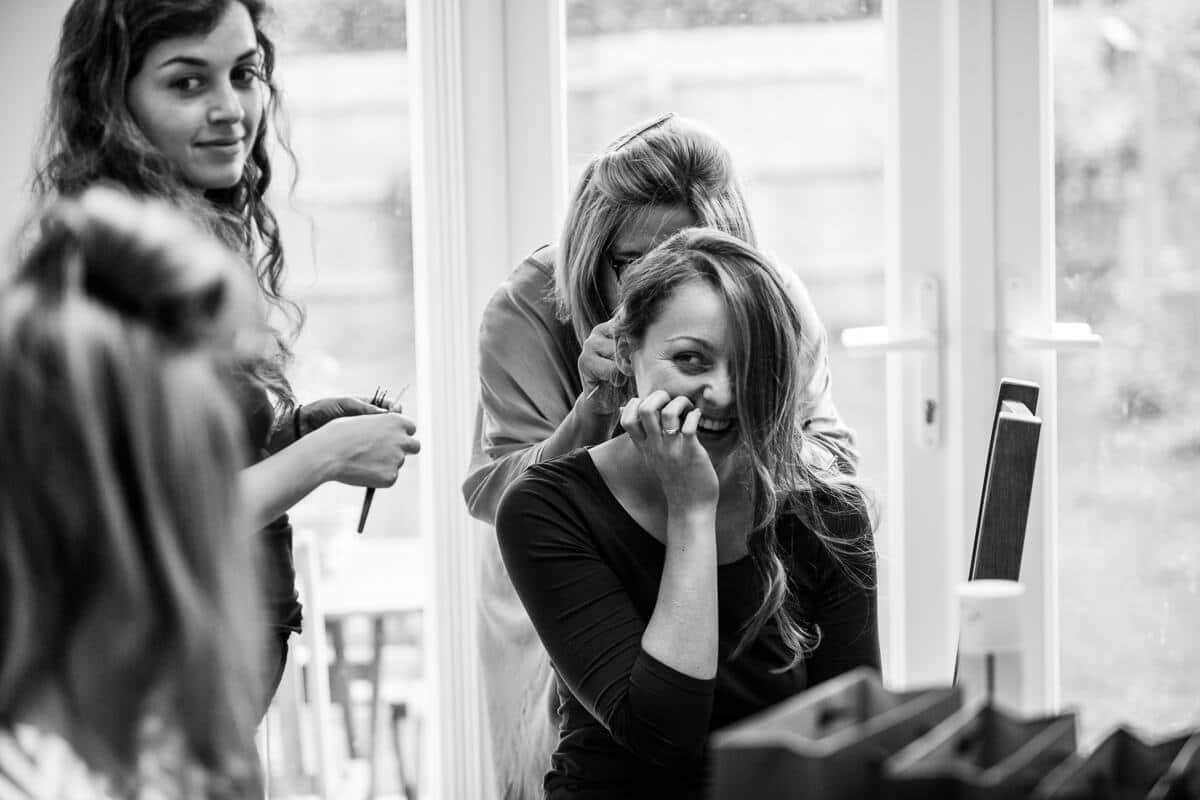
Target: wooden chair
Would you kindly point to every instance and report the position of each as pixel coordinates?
(305, 760)
(313, 750)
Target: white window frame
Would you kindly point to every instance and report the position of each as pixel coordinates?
(970, 203)
(488, 136)
(1026, 283)
(970, 177)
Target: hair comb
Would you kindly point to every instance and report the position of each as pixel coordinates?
(379, 400)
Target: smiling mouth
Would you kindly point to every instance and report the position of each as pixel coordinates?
(220, 143)
(707, 425)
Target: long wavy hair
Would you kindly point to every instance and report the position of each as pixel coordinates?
(671, 160)
(90, 136)
(127, 594)
(767, 335)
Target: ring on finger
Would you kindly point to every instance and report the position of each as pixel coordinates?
(670, 431)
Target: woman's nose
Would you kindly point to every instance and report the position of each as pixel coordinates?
(226, 107)
(718, 390)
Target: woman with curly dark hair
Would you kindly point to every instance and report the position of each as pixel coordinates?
(173, 99)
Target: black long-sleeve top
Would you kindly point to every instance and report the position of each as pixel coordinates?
(276, 568)
(589, 575)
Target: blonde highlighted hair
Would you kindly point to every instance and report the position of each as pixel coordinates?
(127, 591)
(670, 160)
(767, 334)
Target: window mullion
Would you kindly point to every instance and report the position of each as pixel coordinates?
(917, 524)
(1025, 284)
(445, 226)
(488, 133)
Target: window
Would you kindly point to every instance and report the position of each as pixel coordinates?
(343, 71)
(796, 91)
(1127, 180)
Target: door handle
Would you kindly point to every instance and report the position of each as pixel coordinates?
(926, 342)
(873, 340)
(1063, 336)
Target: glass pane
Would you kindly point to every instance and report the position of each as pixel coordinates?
(797, 95)
(343, 71)
(1127, 101)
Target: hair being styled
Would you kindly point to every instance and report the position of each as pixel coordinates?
(90, 136)
(127, 594)
(767, 337)
(671, 160)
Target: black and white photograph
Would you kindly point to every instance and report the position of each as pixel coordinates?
(600, 399)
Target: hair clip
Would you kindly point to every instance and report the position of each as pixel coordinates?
(649, 126)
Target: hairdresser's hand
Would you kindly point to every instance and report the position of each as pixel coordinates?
(308, 417)
(664, 430)
(368, 449)
(316, 414)
(596, 371)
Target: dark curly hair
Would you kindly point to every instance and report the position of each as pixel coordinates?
(90, 136)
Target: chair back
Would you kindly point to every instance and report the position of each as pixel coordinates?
(1007, 483)
(1007, 486)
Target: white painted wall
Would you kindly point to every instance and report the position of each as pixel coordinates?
(28, 37)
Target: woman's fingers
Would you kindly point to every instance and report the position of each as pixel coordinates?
(630, 422)
(595, 368)
(660, 415)
(409, 426)
(353, 406)
(672, 415)
(596, 360)
(600, 341)
(650, 411)
(691, 422)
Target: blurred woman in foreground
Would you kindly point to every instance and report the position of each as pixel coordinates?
(130, 638)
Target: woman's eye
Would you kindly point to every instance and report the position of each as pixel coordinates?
(691, 361)
(188, 83)
(246, 75)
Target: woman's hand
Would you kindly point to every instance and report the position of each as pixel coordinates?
(369, 449)
(309, 417)
(597, 370)
(317, 414)
(664, 430)
(682, 631)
